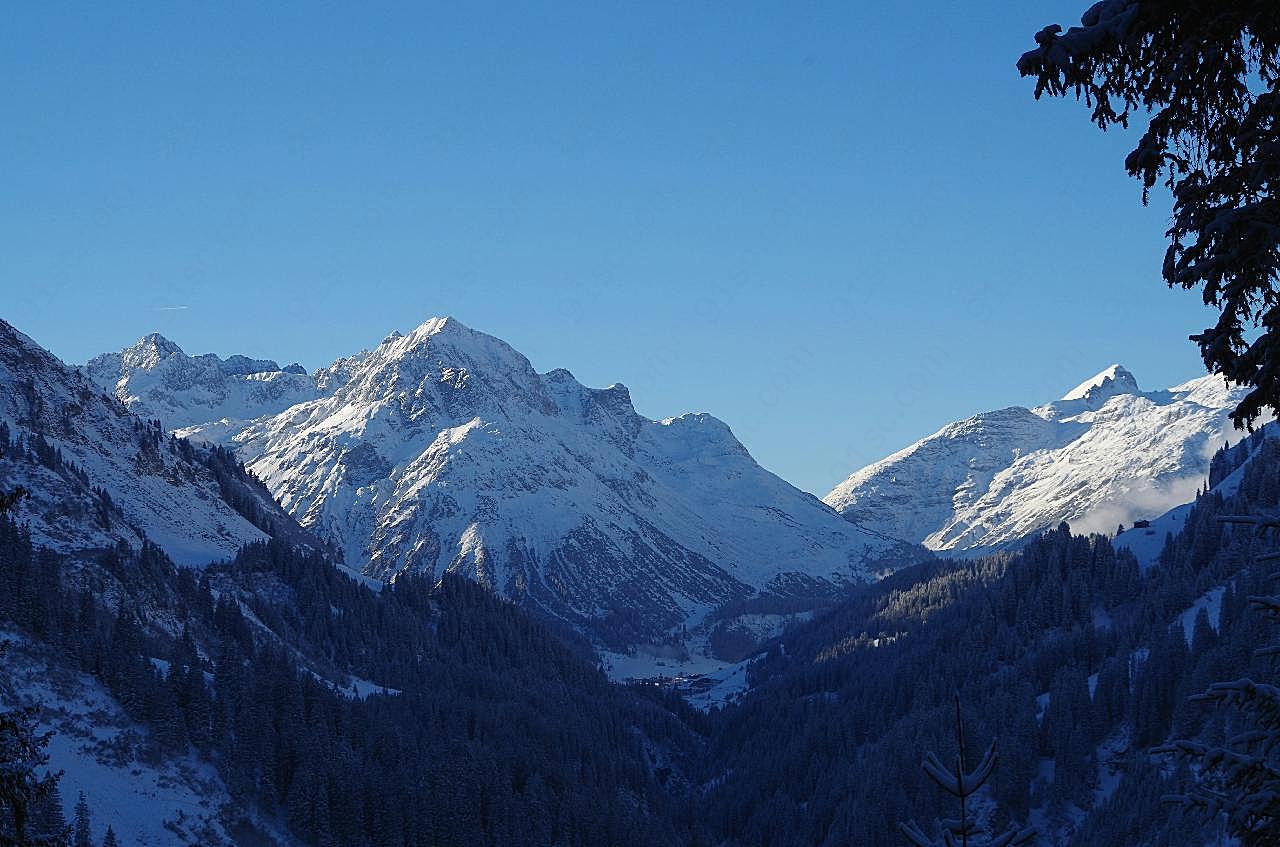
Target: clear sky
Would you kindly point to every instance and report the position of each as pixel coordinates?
(836, 226)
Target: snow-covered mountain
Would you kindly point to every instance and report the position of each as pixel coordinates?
(1106, 453)
(157, 381)
(445, 450)
(99, 475)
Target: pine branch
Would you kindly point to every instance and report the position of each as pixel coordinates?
(956, 782)
(961, 785)
(1262, 522)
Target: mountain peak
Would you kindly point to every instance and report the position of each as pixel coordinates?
(435, 325)
(444, 450)
(435, 329)
(1114, 380)
(451, 343)
(444, 325)
(162, 495)
(149, 350)
(156, 380)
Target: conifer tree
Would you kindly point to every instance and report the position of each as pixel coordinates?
(1209, 76)
(1241, 777)
(23, 791)
(110, 839)
(962, 784)
(80, 836)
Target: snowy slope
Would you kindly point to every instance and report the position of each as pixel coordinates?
(1146, 542)
(1226, 472)
(157, 381)
(99, 475)
(100, 751)
(1106, 453)
(443, 450)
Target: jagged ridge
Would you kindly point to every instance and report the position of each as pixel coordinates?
(98, 475)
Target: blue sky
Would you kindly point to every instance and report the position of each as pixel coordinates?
(836, 226)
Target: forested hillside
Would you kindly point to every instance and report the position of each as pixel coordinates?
(1074, 659)
(433, 714)
(273, 667)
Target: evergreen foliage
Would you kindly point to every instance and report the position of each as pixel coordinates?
(1208, 74)
(30, 813)
(963, 785)
(80, 835)
(27, 789)
(1240, 777)
(499, 733)
(1069, 652)
(492, 730)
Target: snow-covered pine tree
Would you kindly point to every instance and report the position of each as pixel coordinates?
(22, 756)
(1241, 777)
(23, 791)
(1208, 76)
(962, 784)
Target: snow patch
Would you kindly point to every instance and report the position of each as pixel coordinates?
(1211, 603)
(176, 802)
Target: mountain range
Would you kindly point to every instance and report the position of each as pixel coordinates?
(157, 381)
(443, 450)
(1105, 454)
